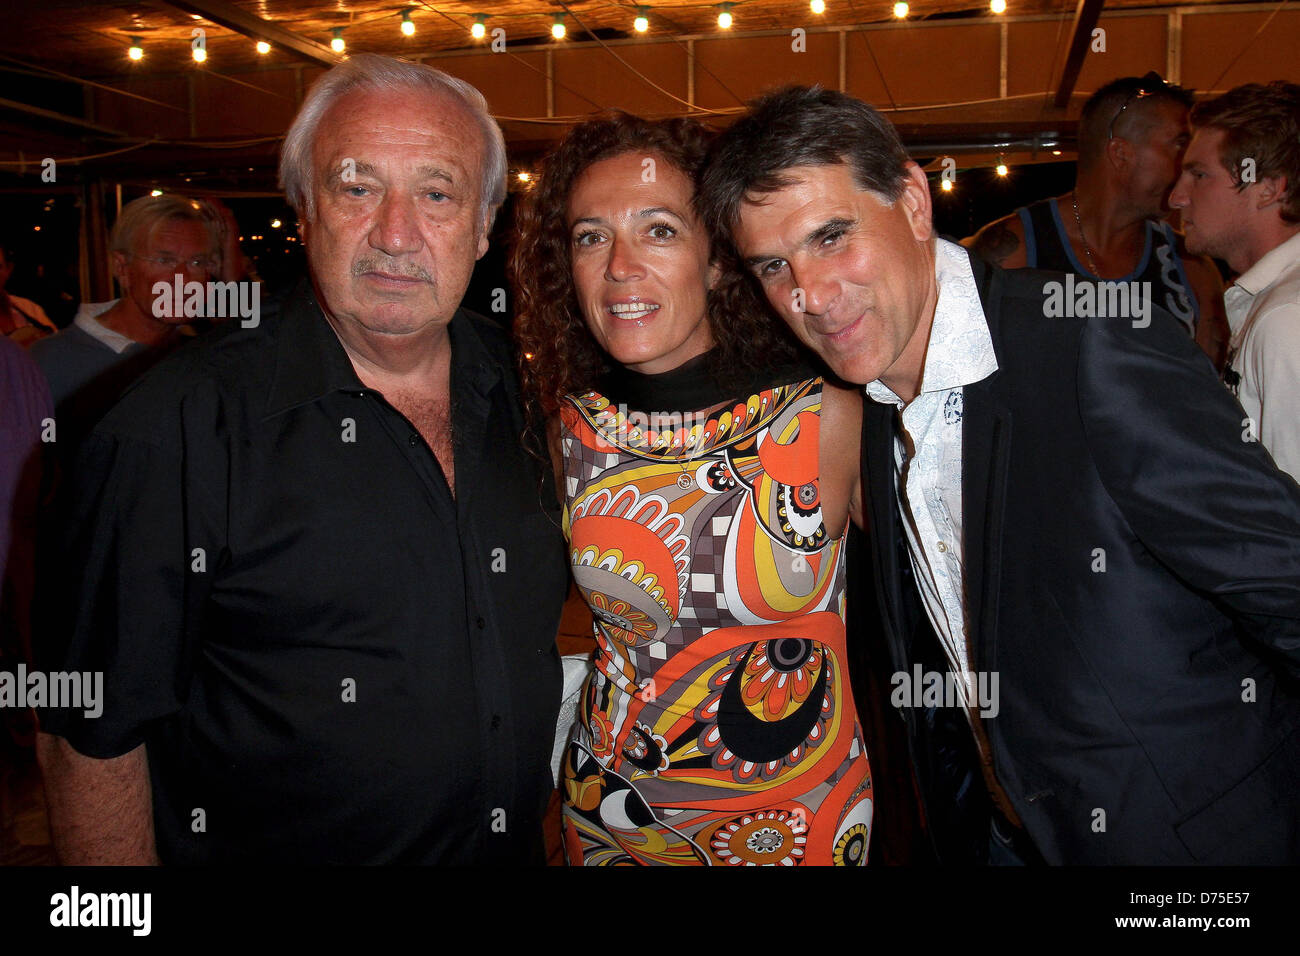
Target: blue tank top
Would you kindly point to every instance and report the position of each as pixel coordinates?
(1046, 247)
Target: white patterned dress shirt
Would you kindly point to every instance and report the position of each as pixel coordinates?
(928, 485)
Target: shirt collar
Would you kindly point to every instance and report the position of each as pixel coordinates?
(87, 322)
(311, 361)
(960, 350)
(1259, 277)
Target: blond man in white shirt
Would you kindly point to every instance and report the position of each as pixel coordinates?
(1240, 196)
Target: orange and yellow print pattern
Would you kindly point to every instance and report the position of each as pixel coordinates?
(718, 727)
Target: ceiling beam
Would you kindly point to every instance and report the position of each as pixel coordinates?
(255, 28)
(62, 118)
(1085, 19)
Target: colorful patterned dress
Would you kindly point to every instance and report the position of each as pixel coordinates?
(718, 727)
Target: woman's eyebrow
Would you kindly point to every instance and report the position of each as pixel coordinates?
(656, 210)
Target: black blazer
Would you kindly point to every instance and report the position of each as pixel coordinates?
(1148, 711)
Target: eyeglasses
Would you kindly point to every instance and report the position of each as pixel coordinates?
(171, 262)
(1153, 82)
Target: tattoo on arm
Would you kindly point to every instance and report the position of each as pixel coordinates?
(996, 243)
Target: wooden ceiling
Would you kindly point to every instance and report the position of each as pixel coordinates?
(954, 77)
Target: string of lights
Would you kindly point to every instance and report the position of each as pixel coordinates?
(477, 28)
(675, 36)
(520, 60)
(689, 105)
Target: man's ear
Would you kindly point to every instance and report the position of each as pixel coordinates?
(1270, 190)
(485, 227)
(1119, 154)
(915, 200)
(119, 267)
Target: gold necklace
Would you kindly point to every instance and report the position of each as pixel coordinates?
(692, 438)
(635, 436)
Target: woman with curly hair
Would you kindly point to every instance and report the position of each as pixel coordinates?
(708, 480)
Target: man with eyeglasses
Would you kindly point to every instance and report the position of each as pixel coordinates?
(1132, 134)
(109, 345)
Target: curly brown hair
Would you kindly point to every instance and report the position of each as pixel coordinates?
(549, 327)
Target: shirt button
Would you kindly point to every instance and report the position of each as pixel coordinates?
(413, 440)
(943, 548)
(496, 721)
(481, 623)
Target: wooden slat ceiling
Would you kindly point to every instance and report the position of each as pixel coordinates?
(954, 83)
(90, 39)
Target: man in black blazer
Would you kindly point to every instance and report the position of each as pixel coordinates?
(1067, 510)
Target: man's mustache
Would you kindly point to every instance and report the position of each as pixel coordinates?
(392, 267)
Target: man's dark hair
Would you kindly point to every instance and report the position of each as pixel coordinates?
(1122, 108)
(1260, 123)
(798, 126)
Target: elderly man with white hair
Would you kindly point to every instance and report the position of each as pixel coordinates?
(312, 559)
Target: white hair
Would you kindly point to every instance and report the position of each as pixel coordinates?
(369, 71)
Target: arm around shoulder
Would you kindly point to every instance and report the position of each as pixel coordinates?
(840, 455)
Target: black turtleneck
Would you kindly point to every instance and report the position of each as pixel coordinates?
(696, 384)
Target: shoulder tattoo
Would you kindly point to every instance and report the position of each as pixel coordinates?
(996, 243)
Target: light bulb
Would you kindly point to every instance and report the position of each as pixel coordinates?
(1001, 169)
(136, 52)
(724, 18)
(263, 47)
(641, 24)
(337, 44)
(946, 185)
(199, 54)
(479, 30)
(998, 6)
(818, 6)
(900, 9)
(557, 28)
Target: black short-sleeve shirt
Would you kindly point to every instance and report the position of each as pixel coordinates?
(329, 657)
